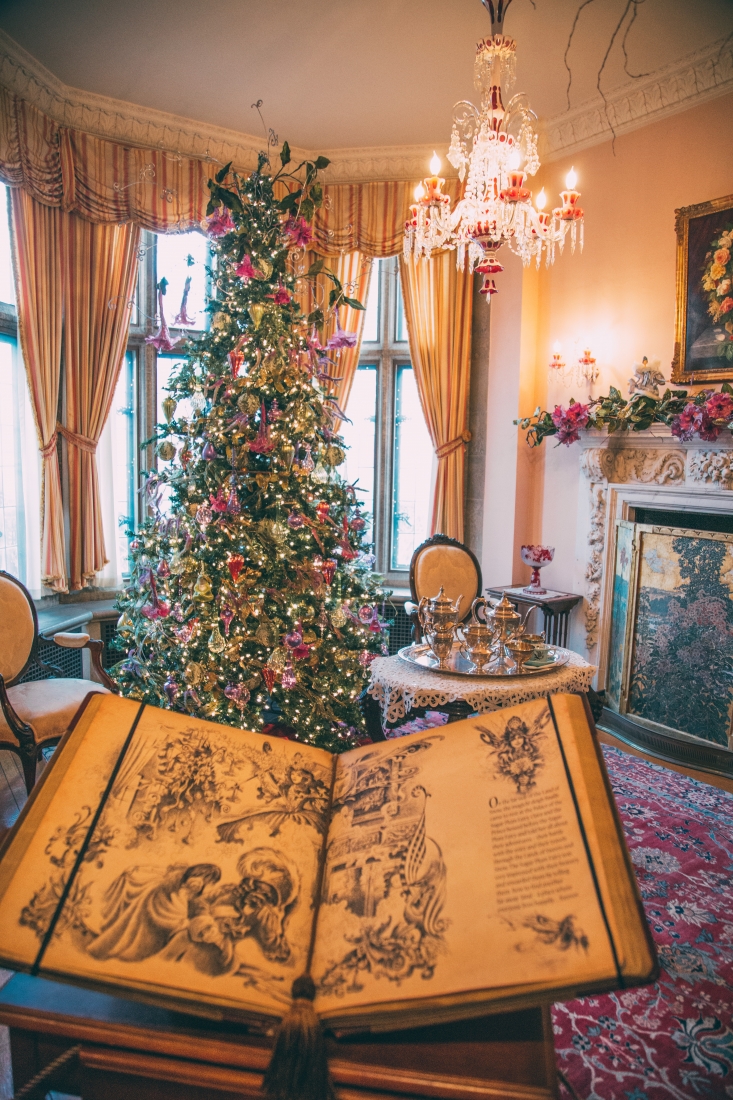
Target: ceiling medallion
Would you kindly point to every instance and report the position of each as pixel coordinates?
(494, 149)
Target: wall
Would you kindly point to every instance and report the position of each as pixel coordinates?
(618, 296)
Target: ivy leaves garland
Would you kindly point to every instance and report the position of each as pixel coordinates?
(705, 415)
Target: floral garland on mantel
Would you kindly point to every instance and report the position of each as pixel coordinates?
(705, 415)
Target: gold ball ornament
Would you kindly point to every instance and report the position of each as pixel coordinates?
(194, 673)
(166, 450)
(220, 321)
(334, 455)
(248, 403)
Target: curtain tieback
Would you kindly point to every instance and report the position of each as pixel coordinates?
(461, 440)
(50, 447)
(83, 442)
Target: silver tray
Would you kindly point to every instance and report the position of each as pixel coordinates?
(422, 656)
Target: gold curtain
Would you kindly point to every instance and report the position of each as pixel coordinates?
(99, 274)
(353, 271)
(438, 310)
(37, 262)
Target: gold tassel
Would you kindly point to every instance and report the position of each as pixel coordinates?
(298, 1069)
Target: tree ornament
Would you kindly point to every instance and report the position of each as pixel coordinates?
(238, 694)
(209, 450)
(287, 455)
(185, 632)
(365, 613)
(236, 361)
(268, 675)
(170, 687)
(262, 444)
(226, 615)
(278, 659)
(163, 571)
(235, 562)
(178, 563)
(202, 587)
(256, 311)
(334, 455)
(295, 521)
(357, 523)
(169, 405)
(289, 678)
(218, 501)
(322, 620)
(366, 658)
(204, 515)
(307, 464)
(265, 268)
(166, 451)
(219, 321)
(375, 625)
(216, 643)
(328, 568)
(279, 532)
(233, 506)
(248, 403)
(338, 617)
(125, 624)
(322, 510)
(198, 401)
(275, 412)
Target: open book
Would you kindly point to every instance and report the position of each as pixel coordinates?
(450, 873)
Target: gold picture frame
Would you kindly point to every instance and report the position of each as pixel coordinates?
(696, 336)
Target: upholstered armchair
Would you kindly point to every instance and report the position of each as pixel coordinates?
(37, 714)
(438, 561)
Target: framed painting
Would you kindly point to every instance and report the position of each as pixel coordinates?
(703, 350)
(673, 623)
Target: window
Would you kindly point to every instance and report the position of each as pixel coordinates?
(390, 456)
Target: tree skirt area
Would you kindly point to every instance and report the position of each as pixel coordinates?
(672, 1040)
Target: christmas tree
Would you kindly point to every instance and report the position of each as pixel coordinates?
(250, 595)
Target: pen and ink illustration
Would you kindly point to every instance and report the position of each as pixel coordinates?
(387, 874)
(561, 934)
(516, 751)
(186, 779)
(160, 882)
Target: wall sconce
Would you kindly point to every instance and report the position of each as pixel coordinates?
(587, 370)
(557, 362)
(584, 373)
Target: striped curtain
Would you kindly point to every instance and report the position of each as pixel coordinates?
(36, 241)
(99, 273)
(438, 310)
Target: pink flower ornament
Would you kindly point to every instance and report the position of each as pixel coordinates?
(298, 232)
(245, 270)
(220, 223)
(342, 339)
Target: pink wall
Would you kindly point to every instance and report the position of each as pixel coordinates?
(618, 295)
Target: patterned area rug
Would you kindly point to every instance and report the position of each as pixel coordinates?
(672, 1040)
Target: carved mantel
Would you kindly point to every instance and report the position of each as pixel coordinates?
(695, 475)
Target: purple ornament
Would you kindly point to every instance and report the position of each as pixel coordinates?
(233, 505)
(238, 694)
(292, 641)
(227, 614)
(366, 658)
(295, 520)
(163, 570)
(289, 679)
(170, 687)
(204, 515)
(209, 450)
(365, 613)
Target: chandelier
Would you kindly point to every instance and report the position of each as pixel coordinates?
(494, 149)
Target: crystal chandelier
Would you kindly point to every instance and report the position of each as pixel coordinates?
(494, 149)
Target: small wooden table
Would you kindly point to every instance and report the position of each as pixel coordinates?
(129, 1050)
(555, 607)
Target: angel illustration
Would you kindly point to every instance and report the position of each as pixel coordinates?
(518, 753)
(294, 793)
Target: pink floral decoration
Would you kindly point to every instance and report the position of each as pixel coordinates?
(281, 296)
(695, 420)
(245, 269)
(720, 406)
(162, 339)
(220, 223)
(569, 421)
(182, 320)
(341, 339)
(298, 232)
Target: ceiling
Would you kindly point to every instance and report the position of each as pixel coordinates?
(344, 73)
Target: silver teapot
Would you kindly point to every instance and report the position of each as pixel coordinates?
(439, 618)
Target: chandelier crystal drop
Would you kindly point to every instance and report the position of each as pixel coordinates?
(494, 149)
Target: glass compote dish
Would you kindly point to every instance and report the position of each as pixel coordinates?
(536, 556)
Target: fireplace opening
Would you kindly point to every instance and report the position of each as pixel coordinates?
(696, 521)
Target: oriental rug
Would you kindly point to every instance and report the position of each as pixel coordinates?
(672, 1040)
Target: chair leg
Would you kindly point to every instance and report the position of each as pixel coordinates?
(30, 763)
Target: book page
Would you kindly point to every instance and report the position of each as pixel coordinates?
(198, 878)
(456, 862)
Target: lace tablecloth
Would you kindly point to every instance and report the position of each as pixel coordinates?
(398, 686)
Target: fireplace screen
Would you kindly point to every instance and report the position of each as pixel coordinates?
(671, 644)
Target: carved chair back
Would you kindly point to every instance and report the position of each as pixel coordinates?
(18, 628)
(441, 560)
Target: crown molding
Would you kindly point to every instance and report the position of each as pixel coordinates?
(675, 88)
(700, 77)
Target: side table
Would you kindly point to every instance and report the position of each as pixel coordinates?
(117, 1049)
(555, 606)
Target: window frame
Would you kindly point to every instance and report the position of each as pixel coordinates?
(388, 354)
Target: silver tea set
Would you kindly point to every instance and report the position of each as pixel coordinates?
(494, 640)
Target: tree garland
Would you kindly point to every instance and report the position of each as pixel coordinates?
(704, 415)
